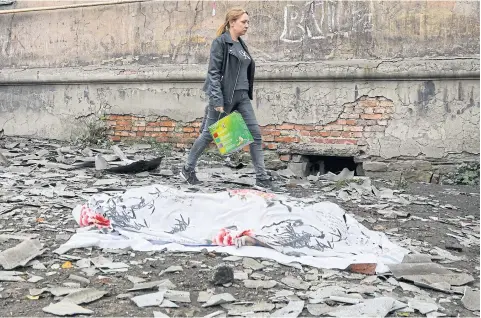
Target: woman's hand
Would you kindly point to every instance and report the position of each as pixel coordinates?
(220, 109)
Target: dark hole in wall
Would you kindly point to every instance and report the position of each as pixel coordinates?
(324, 164)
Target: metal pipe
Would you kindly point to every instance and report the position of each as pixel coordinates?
(69, 6)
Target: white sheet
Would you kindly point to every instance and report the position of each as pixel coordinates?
(159, 216)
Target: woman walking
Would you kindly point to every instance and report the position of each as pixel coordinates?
(229, 85)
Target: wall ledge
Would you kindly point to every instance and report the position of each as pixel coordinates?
(342, 70)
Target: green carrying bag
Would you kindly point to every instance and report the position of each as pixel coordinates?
(231, 133)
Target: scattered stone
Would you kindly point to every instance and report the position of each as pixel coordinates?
(21, 254)
(454, 247)
(71, 284)
(369, 280)
(83, 263)
(34, 279)
(62, 291)
(346, 300)
(165, 284)
(295, 283)
(178, 296)
(293, 309)
(11, 276)
(204, 296)
(66, 308)
(222, 275)
(409, 287)
(219, 299)
(318, 309)
(106, 265)
(393, 281)
(85, 296)
(318, 296)
(265, 284)
(241, 310)
(421, 306)
(79, 279)
(124, 296)
(232, 258)
(435, 314)
(238, 275)
(36, 265)
(252, 264)
(36, 291)
(470, 299)
(147, 300)
(158, 314)
(377, 307)
(215, 314)
(168, 304)
(171, 269)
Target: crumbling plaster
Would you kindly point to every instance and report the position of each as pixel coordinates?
(180, 32)
(446, 121)
(60, 69)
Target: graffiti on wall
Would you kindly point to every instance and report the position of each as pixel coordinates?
(325, 19)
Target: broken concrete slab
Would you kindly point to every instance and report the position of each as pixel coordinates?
(319, 295)
(62, 291)
(417, 258)
(376, 307)
(318, 309)
(345, 300)
(177, 296)
(34, 279)
(148, 300)
(85, 296)
(171, 269)
(265, 284)
(21, 254)
(251, 263)
(345, 174)
(218, 313)
(164, 284)
(11, 276)
(79, 279)
(295, 283)
(158, 314)
(168, 304)
(135, 280)
(239, 275)
(429, 274)
(241, 309)
(293, 309)
(470, 299)
(422, 306)
(65, 308)
(219, 299)
(204, 296)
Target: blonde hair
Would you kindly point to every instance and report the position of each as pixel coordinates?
(232, 15)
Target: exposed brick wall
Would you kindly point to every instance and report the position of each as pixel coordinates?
(367, 117)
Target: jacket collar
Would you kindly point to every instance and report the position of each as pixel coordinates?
(228, 39)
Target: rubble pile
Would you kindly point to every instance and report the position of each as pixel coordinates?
(41, 181)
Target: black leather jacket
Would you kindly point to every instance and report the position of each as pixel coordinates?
(223, 72)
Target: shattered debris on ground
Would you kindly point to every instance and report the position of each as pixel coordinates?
(42, 181)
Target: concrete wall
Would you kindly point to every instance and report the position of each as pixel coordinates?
(62, 68)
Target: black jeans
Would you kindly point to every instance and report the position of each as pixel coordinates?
(242, 104)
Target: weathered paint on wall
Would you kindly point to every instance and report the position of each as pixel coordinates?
(320, 63)
(164, 32)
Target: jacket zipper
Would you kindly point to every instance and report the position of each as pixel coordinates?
(235, 84)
